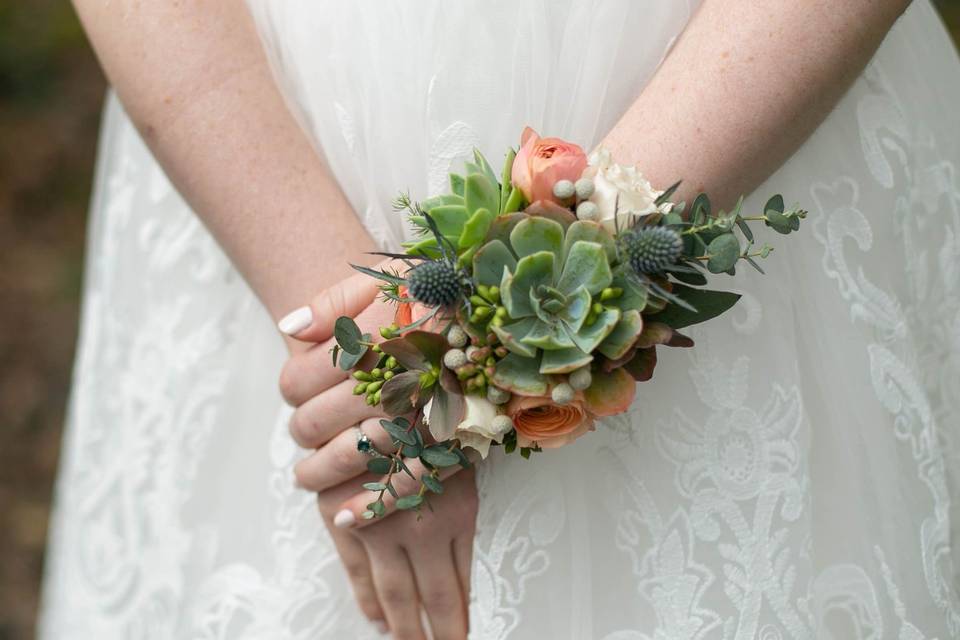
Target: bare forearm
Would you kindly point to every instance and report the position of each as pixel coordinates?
(745, 85)
(195, 81)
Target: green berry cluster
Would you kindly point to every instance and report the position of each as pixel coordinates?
(370, 383)
(487, 308)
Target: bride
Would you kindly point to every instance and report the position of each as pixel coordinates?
(795, 476)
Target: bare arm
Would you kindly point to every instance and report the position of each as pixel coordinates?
(743, 88)
(196, 83)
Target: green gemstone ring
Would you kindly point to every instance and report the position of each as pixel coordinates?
(364, 444)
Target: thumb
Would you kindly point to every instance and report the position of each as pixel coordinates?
(314, 322)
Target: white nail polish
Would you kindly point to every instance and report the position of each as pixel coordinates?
(344, 519)
(296, 321)
(381, 627)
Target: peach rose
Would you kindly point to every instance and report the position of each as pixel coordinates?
(542, 421)
(408, 312)
(542, 162)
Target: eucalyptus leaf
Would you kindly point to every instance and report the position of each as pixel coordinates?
(778, 222)
(374, 486)
(348, 335)
(409, 502)
(432, 483)
(438, 456)
(349, 360)
(379, 465)
(774, 204)
(724, 251)
(399, 432)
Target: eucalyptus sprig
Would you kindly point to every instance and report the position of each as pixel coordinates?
(407, 375)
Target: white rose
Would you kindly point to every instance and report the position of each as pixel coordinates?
(621, 193)
(478, 428)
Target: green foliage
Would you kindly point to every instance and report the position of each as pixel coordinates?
(708, 304)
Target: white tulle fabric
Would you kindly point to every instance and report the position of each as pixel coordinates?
(796, 475)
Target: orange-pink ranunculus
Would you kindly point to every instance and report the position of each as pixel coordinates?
(540, 420)
(408, 312)
(542, 162)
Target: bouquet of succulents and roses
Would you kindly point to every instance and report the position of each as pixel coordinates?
(532, 304)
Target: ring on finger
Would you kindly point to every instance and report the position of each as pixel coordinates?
(365, 444)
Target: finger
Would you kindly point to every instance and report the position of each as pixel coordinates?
(353, 555)
(396, 591)
(339, 459)
(440, 592)
(350, 514)
(463, 560)
(319, 419)
(314, 322)
(312, 371)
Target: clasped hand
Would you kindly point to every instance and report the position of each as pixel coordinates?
(404, 560)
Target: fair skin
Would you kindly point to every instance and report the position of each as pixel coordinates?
(747, 82)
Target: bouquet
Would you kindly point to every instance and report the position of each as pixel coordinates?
(532, 303)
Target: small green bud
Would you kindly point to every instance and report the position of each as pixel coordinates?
(360, 389)
(610, 293)
(388, 332)
(374, 386)
(371, 399)
(501, 351)
(376, 372)
(483, 312)
(391, 363)
(387, 375)
(376, 349)
(376, 396)
(497, 321)
(493, 294)
(362, 376)
(597, 308)
(477, 301)
(501, 312)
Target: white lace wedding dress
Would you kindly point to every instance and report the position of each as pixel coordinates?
(797, 475)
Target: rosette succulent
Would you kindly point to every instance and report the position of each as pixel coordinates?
(563, 298)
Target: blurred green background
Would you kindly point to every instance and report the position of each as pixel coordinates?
(51, 91)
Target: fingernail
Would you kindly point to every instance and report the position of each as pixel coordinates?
(381, 627)
(296, 321)
(344, 519)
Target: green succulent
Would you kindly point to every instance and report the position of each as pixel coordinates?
(464, 215)
(563, 298)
